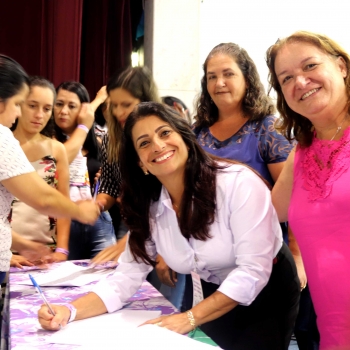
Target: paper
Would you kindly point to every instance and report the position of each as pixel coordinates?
(68, 274)
(119, 331)
(106, 328)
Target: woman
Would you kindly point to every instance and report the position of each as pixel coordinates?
(189, 208)
(34, 132)
(125, 90)
(85, 241)
(310, 73)
(15, 170)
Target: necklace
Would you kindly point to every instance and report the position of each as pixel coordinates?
(338, 129)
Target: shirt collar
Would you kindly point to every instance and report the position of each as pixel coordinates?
(157, 208)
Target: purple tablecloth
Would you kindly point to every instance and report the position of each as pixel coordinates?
(20, 327)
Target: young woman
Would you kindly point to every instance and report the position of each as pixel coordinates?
(16, 172)
(125, 89)
(34, 131)
(213, 218)
(85, 241)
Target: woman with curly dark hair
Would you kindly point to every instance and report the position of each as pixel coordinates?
(201, 214)
(235, 116)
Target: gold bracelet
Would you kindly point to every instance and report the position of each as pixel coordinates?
(191, 319)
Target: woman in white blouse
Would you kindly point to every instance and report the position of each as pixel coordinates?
(208, 217)
(17, 176)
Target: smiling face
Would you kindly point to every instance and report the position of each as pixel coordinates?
(122, 104)
(36, 110)
(10, 110)
(161, 150)
(66, 110)
(312, 81)
(225, 82)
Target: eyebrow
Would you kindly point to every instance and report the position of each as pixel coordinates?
(225, 70)
(47, 104)
(303, 61)
(145, 135)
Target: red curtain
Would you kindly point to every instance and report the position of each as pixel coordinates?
(61, 40)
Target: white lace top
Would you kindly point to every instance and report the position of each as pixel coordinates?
(13, 162)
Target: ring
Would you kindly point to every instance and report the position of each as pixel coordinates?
(159, 324)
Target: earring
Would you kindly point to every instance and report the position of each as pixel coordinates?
(146, 172)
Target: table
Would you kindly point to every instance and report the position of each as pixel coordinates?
(21, 329)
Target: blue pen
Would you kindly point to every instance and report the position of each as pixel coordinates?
(42, 295)
(96, 189)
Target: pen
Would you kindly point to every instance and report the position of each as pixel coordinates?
(42, 295)
(96, 189)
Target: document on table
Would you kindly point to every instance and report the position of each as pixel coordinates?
(67, 275)
(120, 330)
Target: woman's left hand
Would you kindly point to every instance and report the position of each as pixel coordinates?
(178, 323)
(19, 261)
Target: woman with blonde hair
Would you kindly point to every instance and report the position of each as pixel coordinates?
(310, 73)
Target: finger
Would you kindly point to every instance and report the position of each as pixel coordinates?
(154, 321)
(174, 275)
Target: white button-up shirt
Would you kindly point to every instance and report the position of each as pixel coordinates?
(245, 237)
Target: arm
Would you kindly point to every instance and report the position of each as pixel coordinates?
(294, 248)
(275, 170)
(63, 224)
(107, 296)
(109, 179)
(282, 190)
(49, 201)
(75, 142)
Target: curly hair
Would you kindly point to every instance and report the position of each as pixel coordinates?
(198, 205)
(255, 105)
(293, 125)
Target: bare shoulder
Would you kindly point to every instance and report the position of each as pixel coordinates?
(58, 149)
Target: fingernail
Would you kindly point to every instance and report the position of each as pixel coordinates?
(54, 324)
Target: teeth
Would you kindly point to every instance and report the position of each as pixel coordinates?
(308, 94)
(166, 156)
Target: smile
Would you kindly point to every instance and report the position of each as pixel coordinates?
(311, 92)
(164, 157)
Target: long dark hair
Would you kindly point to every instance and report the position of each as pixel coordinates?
(91, 144)
(294, 125)
(12, 78)
(255, 105)
(197, 208)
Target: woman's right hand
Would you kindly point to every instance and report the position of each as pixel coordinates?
(165, 274)
(51, 322)
(88, 212)
(86, 115)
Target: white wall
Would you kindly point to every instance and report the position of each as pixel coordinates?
(257, 24)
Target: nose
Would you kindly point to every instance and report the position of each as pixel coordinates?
(158, 144)
(64, 109)
(39, 114)
(301, 81)
(220, 82)
(118, 112)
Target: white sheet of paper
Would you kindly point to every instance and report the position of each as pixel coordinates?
(119, 331)
(106, 328)
(68, 274)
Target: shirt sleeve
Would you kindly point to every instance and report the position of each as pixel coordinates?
(110, 179)
(256, 236)
(13, 161)
(129, 275)
(273, 146)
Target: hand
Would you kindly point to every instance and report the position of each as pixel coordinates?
(111, 253)
(178, 323)
(97, 176)
(51, 322)
(35, 252)
(102, 95)
(57, 257)
(86, 115)
(19, 261)
(89, 211)
(165, 274)
(182, 111)
(301, 271)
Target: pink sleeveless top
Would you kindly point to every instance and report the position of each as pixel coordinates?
(319, 215)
